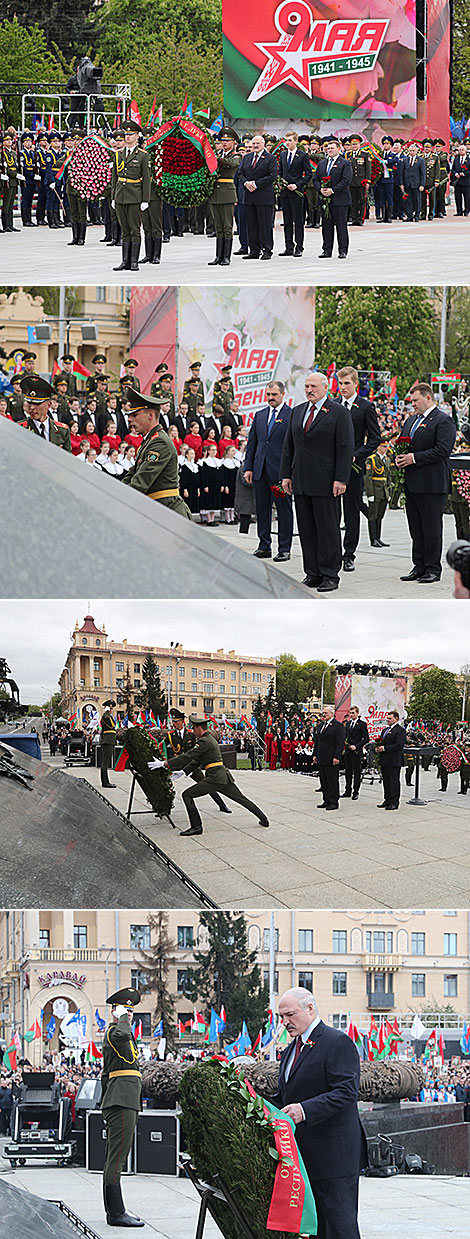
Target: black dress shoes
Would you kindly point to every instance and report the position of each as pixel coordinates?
(376, 543)
(332, 806)
(265, 257)
(414, 575)
(342, 254)
(427, 577)
(312, 582)
(297, 253)
(281, 557)
(326, 585)
(193, 830)
(322, 255)
(384, 805)
(260, 554)
(345, 794)
(355, 796)
(348, 563)
(286, 254)
(250, 255)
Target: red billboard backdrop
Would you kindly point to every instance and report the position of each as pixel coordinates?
(152, 331)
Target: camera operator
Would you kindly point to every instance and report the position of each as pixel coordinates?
(89, 83)
(458, 558)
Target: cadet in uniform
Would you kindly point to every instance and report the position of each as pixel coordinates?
(224, 196)
(130, 378)
(165, 393)
(130, 194)
(38, 394)
(42, 152)
(206, 759)
(443, 177)
(377, 491)
(121, 1100)
(28, 367)
(107, 742)
(161, 369)
(195, 369)
(63, 407)
(432, 179)
(67, 362)
(10, 183)
(54, 188)
(99, 362)
(152, 221)
(180, 740)
(360, 179)
(77, 205)
(223, 397)
(155, 471)
(224, 378)
(311, 194)
(28, 170)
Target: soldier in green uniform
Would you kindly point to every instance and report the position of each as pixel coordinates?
(28, 367)
(130, 378)
(224, 376)
(192, 396)
(313, 207)
(224, 196)
(16, 401)
(206, 758)
(432, 179)
(9, 176)
(165, 392)
(101, 397)
(152, 221)
(155, 471)
(63, 407)
(107, 743)
(195, 369)
(459, 505)
(377, 491)
(361, 175)
(99, 362)
(443, 177)
(179, 740)
(77, 205)
(130, 194)
(67, 362)
(222, 399)
(38, 394)
(121, 1100)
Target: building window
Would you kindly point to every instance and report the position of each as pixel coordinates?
(98, 642)
(138, 979)
(140, 937)
(243, 705)
(136, 668)
(194, 701)
(119, 666)
(418, 944)
(96, 664)
(379, 983)
(389, 940)
(233, 705)
(243, 675)
(266, 980)
(194, 688)
(222, 675)
(306, 980)
(379, 941)
(181, 699)
(340, 983)
(418, 985)
(100, 293)
(208, 703)
(44, 939)
(450, 944)
(136, 683)
(450, 985)
(233, 675)
(340, 945)
(185, 937)
(84, 641)
(305, 939)
(119, 683)
(340, 1021)
(193, 671)
(96, 681)
(267, 939)
(146, 1019)
(80, 937)
(182, 977)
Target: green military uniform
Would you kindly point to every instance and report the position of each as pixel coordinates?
(222, 202)
(432, 179)
(376, 488)
(130, 185)
(459, 505)
(58, 433)
(231, 390)
(63, 408)
(192, 400)
(152, 222)
(313, 206)
(92, 380)
(129, 380)
(181, 741)
(205, 759)
(442, 179)
(16, 407)
(101, 398)
(107, 744)
(199, 393)
(70, 379)
(166, 394)
(223, 398)
(155, 471)
(361, 171)
(121, 1085)
(10, 170)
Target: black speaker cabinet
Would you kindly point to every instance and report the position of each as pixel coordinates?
(157, 1142)
(95, 1145)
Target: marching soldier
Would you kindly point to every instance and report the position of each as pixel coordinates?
(38, 394)
(179, 740)
(121, 1100)
(107, 743)
(443, 177)
(432, 180)
(9, 176)
(224, 196)
(130, 194)
(377, 491)
(360, 179)
(99, 362)
(205, 759)
(155, 471)
(77, 204)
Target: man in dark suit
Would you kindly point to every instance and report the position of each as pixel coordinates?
(318, 1088)
(315, 468)
(258, 172)
(414, 179)
(460, 178)
(263, 467)
(431, 434)
(327, 750)
(367, 437)
(390, 749)
(356, 736)
(295, 169)
(335, 198)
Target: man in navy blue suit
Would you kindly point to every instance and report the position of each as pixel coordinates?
(431, 433)
(335, 198)
(413, 171)
(263, 468)
(295, 169)
(318, 1088)
(257, 173)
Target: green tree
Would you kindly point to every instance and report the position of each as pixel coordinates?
(155, 963)
(26, 55)
(291, 681)
(457, 354)
(435, 695)
(461, 59)
(366, 327)
(119, 24)
(53, 705)
(152, 696)
(64, 22)
(169, 67)
(226, 974)
(313, 672)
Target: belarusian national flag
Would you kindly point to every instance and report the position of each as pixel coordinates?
(122, 760)
(92, 1053)
(355, 1035)
(442, 1045)
(9, 1056)
(73, 720)
(256, 1043)
(373, 1039)
(80, 371)
(135, 114)
(431, 1044)
(138, 1031)
(55, 370)
(205, 112)
(283, 1038)
(153, 111)
(199, 1025)
(33, 1032)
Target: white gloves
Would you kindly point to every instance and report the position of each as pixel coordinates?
(176, 774)
(120, 1011)
(156, 764)
(113, 204)
(144, 206)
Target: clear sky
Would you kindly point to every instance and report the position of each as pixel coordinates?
(35, 635)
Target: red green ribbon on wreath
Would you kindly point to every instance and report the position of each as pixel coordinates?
(192, 133)
(292, 1206)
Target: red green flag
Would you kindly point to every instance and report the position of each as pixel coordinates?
(80, 371)
(373, 1039)
(121, 761)
(93, 1053)
(292, 1206)
(33, 1033)
(199, 1025)
(9, 1056)
(431, 1044)
(73, 720)
(355, 1035)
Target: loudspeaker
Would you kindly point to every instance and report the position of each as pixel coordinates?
(157, 1142)
(95, 1145)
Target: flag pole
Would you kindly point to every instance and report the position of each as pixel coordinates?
(272, 998)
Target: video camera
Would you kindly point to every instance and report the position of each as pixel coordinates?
(458, 558)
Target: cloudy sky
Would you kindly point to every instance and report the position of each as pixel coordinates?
(35, 635)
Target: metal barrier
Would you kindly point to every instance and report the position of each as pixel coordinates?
(69, 111)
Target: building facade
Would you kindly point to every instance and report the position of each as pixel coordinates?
(192, 680)
(106, 307)
(393, 964)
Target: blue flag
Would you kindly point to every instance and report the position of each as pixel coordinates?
(216, 1025)
(100, 1021)
(217, 124)
(50, 1028)
(158, 1031)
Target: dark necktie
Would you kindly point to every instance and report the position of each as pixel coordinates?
(42, 431)
(298, 1047)
(310, 418)
(290, 158)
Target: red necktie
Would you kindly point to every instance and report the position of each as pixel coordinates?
(310, 418)
(255, 160)
(298, 1047)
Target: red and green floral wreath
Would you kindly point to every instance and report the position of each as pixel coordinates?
(89, 169)
(183, 162)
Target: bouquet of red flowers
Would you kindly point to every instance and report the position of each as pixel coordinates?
(278, 490)
(89, 169)
(325, 200)
(397, 474)
(183, 162)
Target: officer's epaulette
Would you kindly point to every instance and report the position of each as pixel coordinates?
(61, 425)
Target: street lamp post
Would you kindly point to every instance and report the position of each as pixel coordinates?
(328, 668)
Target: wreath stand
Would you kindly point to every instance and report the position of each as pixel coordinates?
(209, 1192)
(417, 753)
(161, 816)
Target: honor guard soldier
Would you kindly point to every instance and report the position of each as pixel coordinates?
(311, 193)
(224, 196)
(222, 398)
(179, 740)
(195, 369)
(155, 471)
(361, 178)
(54, 188)
(225, 377)
(130, 378)
(432, 180)
(28, 366)
(107, 743)
(443, 177)
(67, 362)
(77, 204)
(38, 394)
(130, 194)
(99, 362)
(27, 178)
(152, 221)
(161, 369)
(16, 401)
(205, 759)
(165, 393)
(377, 492)
(101, 397)
(9, 177)
(42, 151)
(63, 407)
(121, 1100)
(192, 396)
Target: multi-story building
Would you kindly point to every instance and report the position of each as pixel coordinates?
(107, 308)
(193, 680)
(359, 963)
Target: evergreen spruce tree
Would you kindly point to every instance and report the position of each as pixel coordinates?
(152, 697)
(226, 974)
(155, 963)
